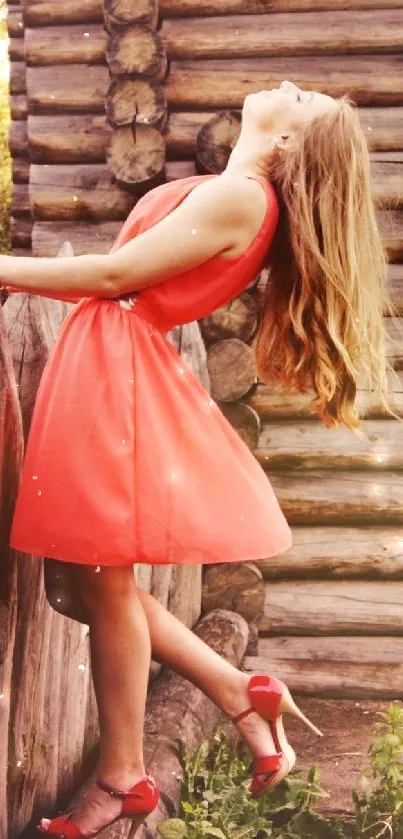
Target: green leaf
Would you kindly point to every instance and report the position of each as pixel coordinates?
(172, 829)
(215, 831)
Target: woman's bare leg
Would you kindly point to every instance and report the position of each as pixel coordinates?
(120, 663)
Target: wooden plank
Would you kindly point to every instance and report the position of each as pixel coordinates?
(335, 553)
(11, 456)
(338, 667)
(340, 498)
(77, 192)
(201, 8)
(327, 607)
(373, 80)
(242, 36)
(74, 138)
(272, 401)
(310, 445)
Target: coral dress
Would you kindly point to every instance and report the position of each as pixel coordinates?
(129, 459)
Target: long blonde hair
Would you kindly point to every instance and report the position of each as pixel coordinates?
(322, 323)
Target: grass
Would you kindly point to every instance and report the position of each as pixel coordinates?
(5, 158)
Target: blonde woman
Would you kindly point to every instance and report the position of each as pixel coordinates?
(129, 460)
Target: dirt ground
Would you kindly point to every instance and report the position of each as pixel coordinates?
(342, 753)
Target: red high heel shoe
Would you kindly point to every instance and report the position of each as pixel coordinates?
(138, 803)
(270, 698)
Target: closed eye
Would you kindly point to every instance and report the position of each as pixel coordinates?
(299, 97)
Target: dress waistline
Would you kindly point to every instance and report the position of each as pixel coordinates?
(133, 304)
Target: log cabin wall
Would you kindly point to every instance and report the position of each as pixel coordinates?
(335, 598)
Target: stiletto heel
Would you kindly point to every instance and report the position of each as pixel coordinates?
(270, 698)
(138, 803)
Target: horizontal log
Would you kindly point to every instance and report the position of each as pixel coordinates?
(384, 127)
(65, 12)
(80, 90)
(340, 498)
(77, 192)
(20, 204)
(274, 402)
(85, 237)
(18, 138)
(338, 667)
(336, 553)
(373, 80)
(77, 43)
(18, 107)
(20, 170)
(21, 232)
(200, 8)
(18, 82)
(79, 139)
(310, 445)
(333, 608)
(241, 36)
(16, 49)
(391, 228)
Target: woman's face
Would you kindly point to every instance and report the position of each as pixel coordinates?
(284, 108)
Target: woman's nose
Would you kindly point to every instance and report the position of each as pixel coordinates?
(287, 84)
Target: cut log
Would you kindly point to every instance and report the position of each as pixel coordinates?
(21, 232)
(200, 8)
(15, 24)
(242, 36)
(310, 445)
(375, 80)
(216, 140)
(237, 319)
(18, 139)
(79, 42)
(340, 498)
(123, 12)
(339, 553)
(245, 420)
(137, 49)
(21, 170)
(20, 205)
(68, 139)
(238, 587)
(333, 608)
(11, 455)
(176, 710)
(18, 107)
(232, 369)
(85, 237)
(65, 12)
(18, 81)
(339, 667)
(136, 156)
(125, 97)
(77, 192)
(54, 90)
(275, 402)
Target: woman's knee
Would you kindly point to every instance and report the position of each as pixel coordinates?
(103, 584)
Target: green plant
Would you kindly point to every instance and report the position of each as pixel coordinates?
(215, 801)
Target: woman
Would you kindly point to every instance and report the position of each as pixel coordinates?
(129, 460)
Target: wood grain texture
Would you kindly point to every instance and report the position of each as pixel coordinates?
(261, 36)
(201, 8)
(339, 553)
(339, 667)
(333, 608)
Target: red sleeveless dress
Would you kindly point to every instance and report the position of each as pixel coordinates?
(129, 459)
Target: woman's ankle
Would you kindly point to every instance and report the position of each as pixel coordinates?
(121, 774)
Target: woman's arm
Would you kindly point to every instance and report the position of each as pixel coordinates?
(212, 219)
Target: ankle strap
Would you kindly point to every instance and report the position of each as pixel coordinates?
(118, 793)
(242, 715)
